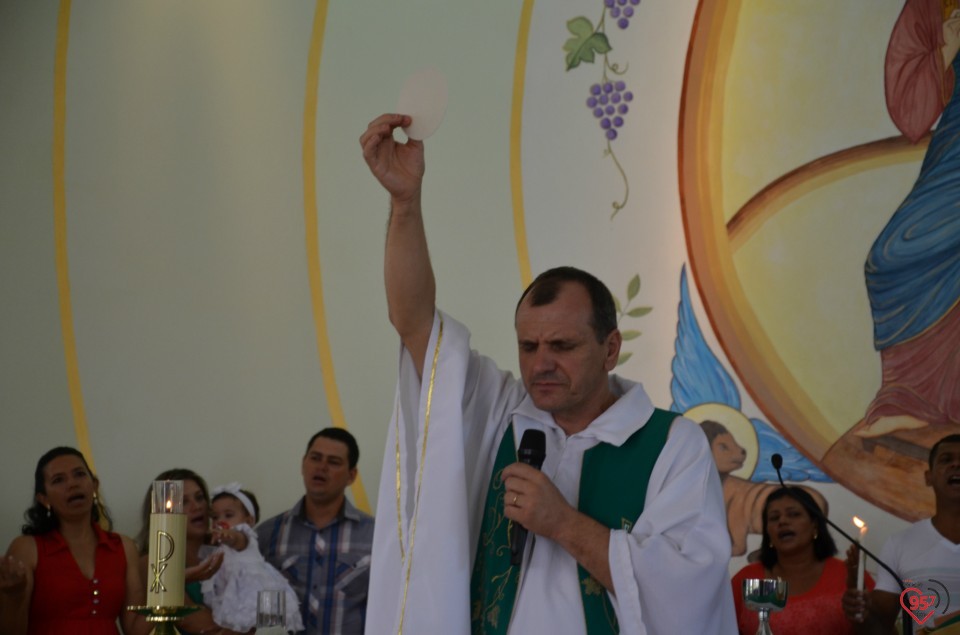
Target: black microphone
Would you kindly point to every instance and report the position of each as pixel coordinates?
(777, 461)
(533, 449)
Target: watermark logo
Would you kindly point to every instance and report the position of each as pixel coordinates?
(924, 599)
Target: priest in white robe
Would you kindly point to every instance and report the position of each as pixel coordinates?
(448, 499)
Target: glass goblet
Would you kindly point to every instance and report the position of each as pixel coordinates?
(271, 612)
(764, 596)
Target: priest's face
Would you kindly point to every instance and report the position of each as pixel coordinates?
(563, 366)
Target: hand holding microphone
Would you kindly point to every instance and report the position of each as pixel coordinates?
(532, 451)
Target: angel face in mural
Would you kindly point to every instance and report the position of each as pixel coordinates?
(913, 269)
(727, 453)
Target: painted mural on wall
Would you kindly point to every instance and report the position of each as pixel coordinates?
(913, 268)
(701, 387)
(867, 419)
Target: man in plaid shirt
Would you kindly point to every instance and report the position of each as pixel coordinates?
(322, 544)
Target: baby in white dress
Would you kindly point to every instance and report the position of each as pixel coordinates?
(231, 593)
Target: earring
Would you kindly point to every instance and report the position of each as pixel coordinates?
(49, 512)
(96, 499)
(815, 534)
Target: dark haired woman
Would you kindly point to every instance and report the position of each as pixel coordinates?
(798, 548)
(65, 574)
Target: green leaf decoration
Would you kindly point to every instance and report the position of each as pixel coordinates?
(623, 358)
(640, 311)
(592, 587)
(634, 287)
(585, 44)
(629, 335)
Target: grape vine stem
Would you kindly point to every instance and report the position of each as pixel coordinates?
(626, 185)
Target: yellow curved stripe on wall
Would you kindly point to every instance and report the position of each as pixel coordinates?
(516, 127)
(765, 375)
(60, 232)
(312, 236)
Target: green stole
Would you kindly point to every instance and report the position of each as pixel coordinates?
(603, 497)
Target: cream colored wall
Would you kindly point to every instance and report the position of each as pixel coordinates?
(196, 336)
(197, 341)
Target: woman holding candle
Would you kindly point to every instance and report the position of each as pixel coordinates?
(66, 574)
(798, 548)
(202, 561)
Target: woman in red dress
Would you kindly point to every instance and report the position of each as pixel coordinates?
(798, 548)
(65, 574)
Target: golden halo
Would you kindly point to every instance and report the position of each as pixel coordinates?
(739, 427)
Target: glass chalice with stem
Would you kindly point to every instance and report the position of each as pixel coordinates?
(764, 595)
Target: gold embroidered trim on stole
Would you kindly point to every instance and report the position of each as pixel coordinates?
(396, 434)
(423, 456)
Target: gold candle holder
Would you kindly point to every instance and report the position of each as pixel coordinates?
(166, 559)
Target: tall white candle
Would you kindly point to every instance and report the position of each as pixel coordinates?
(167, 549)
(861, 557)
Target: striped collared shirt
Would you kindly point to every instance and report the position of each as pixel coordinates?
(328, 567)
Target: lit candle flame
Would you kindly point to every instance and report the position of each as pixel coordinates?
(862, 526)
(169, 506)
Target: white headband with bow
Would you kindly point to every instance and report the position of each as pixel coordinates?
(233, 489)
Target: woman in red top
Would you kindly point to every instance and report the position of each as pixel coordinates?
(66, 574)
(798, 548)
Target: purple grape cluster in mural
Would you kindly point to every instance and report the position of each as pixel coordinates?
(609, 103)
(621, 11)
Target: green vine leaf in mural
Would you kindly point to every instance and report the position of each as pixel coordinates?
(626, 311)
(633, 287)
(585, 44)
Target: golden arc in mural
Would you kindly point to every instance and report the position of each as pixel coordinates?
(790, 381)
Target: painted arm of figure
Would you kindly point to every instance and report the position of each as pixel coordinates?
(951, 38)
(16, 585)
(407, 272)
(918, 76)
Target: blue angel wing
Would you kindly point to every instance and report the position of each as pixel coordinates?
(698, 376)
(796, 467)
